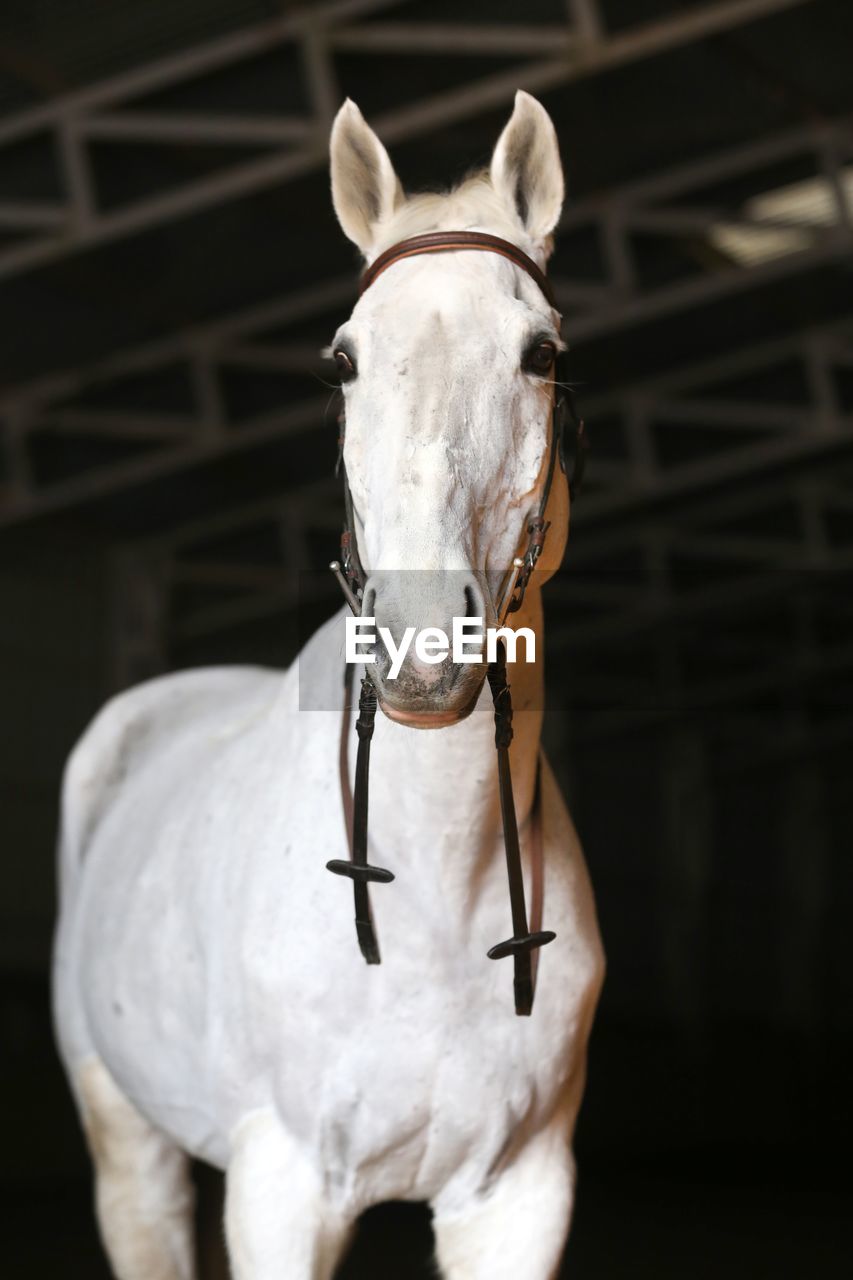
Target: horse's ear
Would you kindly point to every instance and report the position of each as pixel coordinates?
(526, 170)
(365, 188)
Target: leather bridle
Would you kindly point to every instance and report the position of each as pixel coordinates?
(352, 578)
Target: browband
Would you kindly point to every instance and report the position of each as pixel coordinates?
(446, 242)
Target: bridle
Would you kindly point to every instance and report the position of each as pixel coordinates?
(351, 575)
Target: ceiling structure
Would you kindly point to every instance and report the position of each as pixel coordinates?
(170, 269)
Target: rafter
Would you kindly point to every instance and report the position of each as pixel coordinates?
(296, 145)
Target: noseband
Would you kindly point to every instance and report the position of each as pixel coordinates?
(352, 578)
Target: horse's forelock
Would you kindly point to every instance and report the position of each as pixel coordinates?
(473, 203)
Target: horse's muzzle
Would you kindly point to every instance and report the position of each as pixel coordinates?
(413, 690)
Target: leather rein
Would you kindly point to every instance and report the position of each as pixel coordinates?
(352, 578)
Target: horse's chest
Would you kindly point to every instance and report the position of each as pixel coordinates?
(420, 1072)
(421, 1096)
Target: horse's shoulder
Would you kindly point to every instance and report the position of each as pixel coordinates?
(136, 723)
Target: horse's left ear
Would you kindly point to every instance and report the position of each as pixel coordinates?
(526, 169)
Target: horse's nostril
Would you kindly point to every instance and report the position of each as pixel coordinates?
(474, 604)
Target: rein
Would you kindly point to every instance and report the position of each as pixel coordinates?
(352, 578)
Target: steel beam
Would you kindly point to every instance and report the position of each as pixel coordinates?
(299, 146)
(206, 352)
(636, 480)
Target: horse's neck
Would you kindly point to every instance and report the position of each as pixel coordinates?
(438, 789)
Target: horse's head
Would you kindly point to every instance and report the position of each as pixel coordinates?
(447, 363)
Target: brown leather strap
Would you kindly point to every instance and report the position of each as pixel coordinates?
(343, 755)
(524, 940)
(536, 837)
(448, 242)
(357, 868)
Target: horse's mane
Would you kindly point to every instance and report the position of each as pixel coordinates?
(471, 203)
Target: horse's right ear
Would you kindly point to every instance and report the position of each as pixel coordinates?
(365, 188)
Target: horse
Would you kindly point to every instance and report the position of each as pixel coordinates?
(209, 998)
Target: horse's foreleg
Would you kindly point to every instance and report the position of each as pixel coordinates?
(519, 1226)
(143, 1193)
(277, 1220)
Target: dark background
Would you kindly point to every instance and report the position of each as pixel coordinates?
(170, 268)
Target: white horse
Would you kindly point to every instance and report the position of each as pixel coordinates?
(210, 998)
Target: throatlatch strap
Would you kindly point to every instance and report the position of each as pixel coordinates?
(522, 942)
(359, 869)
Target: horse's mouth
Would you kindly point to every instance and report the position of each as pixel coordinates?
(428, 719)
(416, 713)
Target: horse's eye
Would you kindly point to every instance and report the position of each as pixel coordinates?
(540, 359)
(345, 366)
